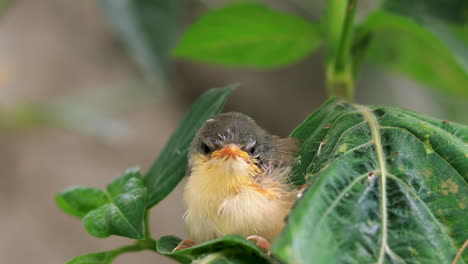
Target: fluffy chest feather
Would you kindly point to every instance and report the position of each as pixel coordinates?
(222, 198)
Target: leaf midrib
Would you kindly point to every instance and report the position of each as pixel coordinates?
(112, 201)
(374, 126)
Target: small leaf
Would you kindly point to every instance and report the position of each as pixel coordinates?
(94, 258)
(228, 249)
(96, 223)
(249, 35)
(117, 211)
(169, 168)
(78, 201)
(149, 29)
(387, 186)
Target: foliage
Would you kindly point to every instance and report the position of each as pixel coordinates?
(229, 249)
(248, 34)
(406, 36)
(385, 185)
(148, 29)
(117, 211)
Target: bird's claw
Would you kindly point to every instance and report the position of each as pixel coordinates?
(184, 244)
(260, 242)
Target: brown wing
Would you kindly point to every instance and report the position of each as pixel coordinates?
(285, 152)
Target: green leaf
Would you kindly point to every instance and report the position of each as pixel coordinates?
(453, 11)
(170, 167)
(94, 258)
(4, 5)
(387, 186)
(249, 35)
(437, 18)
(149, 29)
(78, 201)
(117, 211)
(425, 49)
(96, 223)
(104, 257)
(228, 249)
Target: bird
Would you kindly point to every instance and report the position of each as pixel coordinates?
(238, 181)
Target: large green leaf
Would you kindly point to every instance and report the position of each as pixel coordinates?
(249, 35)
(117, 211)
(228, 249)
(387, 186)
(425, 50)
(438, 18)
(421, 39)
(170, 167)
(453, 11)
(149, 29)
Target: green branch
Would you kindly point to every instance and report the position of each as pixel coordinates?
(340, 79)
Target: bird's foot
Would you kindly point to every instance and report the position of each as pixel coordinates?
(184, 244)
(260, 242)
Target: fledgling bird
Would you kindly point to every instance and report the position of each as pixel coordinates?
(238, 181)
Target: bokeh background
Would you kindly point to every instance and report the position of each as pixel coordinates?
(76, 109)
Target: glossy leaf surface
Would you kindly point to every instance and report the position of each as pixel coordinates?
(228, 249)
(170, 167)
(119, 210)
(387, 186)
(249, 35)
(78, 201)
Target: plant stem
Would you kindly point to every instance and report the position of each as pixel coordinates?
(129, 248)
(147, 225)
(125, 249)
(342, 57)
(340, 79)
(147, 244)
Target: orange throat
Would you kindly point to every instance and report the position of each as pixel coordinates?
(226, 170)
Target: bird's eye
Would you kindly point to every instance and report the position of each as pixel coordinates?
(205, 148)
(251, 149)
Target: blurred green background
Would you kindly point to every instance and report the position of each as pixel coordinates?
(79, 104)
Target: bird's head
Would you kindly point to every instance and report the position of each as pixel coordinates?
(233, 144)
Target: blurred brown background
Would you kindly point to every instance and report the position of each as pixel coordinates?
(75, 111)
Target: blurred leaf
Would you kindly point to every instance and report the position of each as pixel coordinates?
(78, 201)
(461, 31)
(4, 4)
(453, 11)
(228, 249)
(149, 29)
(439, 61)
(117, 211)
(94, 258)
(387, 186)
(249, 35)
(170, 166)
(437, 17)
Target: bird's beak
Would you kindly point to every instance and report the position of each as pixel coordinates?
(230, 151)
